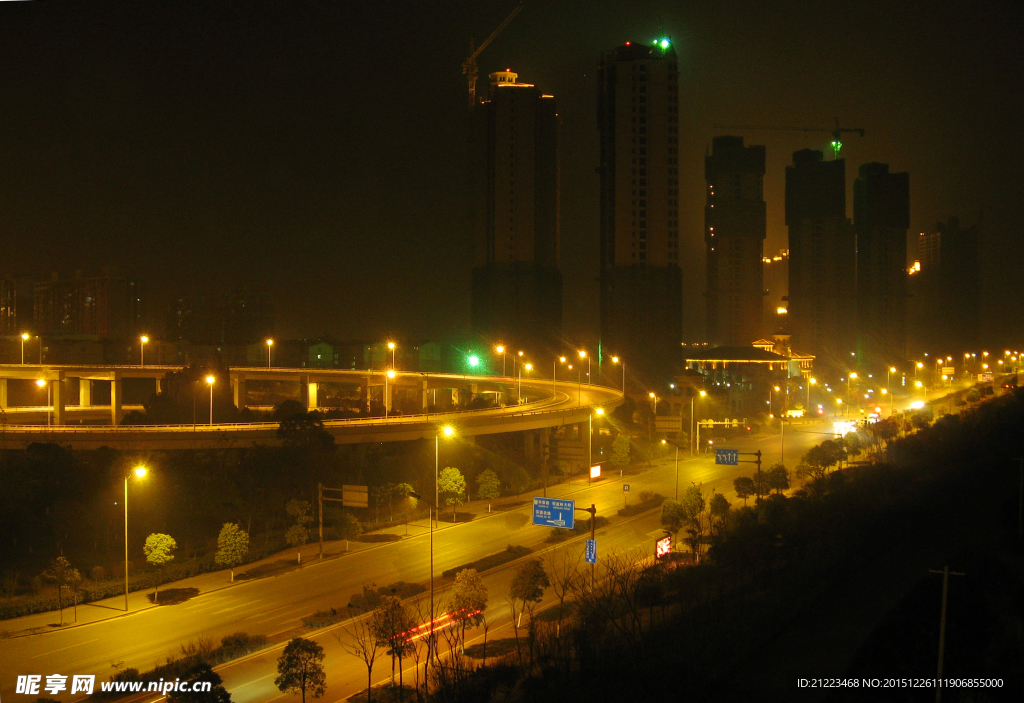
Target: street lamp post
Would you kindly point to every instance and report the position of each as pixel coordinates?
(210, 380)
(702, 394)
(448, 431)
(584, 355)
(140, 471)
(270, 345)
(391, 346)
(42, 383)
(810, 382)
(24, 338)
(390, 373)
(143, 340)
(665, 441)
(501, 350)
(519, 390)
(616, 360)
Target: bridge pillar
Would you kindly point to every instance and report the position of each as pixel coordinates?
(84, 393)
(364, 394)
(307, 391)
(530, 445)
(3, 393)
(59, 399)
(159, 384)
(238, 386)
(116, 396)
(424, 396)
(389, 392)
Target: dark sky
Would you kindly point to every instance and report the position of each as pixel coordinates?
(315, 150)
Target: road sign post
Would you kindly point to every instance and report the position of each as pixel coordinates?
(728, 457)
(625, 496)
(591, 552)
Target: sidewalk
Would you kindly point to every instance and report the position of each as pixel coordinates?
(106, 609)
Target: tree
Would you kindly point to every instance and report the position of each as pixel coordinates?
(61, 573)
(518, 479)
(697, 522)
(361, 643)
(158, 548)
(200, 671)
(527, 589)
(744, 486)
(348, 528)
(488, 487)
(451, 484)
(571, 467)
(390, 624)
(468, 599)
(300, 669)
(232, 547)
(777, 477)
(298, 534)
(306, 431)
(720, 509)
(672, 516)
(620, 451)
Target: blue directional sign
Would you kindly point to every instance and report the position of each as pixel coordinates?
(591, 553)
(551, 512)
(731, 457)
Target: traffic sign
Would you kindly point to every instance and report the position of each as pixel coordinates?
(625, 488)
(551, 512)
(730, 457)
(591, 553)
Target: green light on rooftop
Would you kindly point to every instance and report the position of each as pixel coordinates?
(474, 360)
(665, 43)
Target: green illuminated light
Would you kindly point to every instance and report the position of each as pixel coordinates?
(474, 360)
(665, 43)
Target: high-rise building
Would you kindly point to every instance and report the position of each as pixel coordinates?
(775, 279)
(8, 307)
(881, 217)
(108, 305)
(734, 232)
(946, 288)
(822, 252)
(640, 279)
(517, 284)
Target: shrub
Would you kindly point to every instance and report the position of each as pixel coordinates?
(511, 553)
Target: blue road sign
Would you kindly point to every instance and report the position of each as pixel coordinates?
(625, 488)
(730, 457)
(551, 512)
(591, 553)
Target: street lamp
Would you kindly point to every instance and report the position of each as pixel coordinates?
(447, 431)
(139, 472)
(391, 346)
(390, 373)
(583, 355)
(702, 394)
(40, 382)
(519, 389)
(210, 380)
(616, 360)
(270, 345)
(432, 511)
(501, 350)
(590, 440)
(143, 340)
(654, 397)
(24, 338)
(810, 382)
(665, 441)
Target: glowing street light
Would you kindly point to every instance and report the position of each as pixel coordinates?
(501, 350)
(519, 389)
(390, 373)
(143, 341)
(24, 338)
(616, 360)
(810, 382)
(210, 380)
(40, 382)
(270, 345)
(391, 346)
(701, 394)
(139, 472)
(583, 355)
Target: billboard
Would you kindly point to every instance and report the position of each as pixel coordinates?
(663, 547)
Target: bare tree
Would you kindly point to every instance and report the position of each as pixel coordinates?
(362, 643)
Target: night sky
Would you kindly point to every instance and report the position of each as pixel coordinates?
(315, 150)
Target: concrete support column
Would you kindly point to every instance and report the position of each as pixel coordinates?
(530, 445)
(364, 394)
(84, 393)
(116, 396)
(390, 391)
(158, 385)
(241, 397)
(3, 393)
(544, 440)
(59, 397)
(424, 396)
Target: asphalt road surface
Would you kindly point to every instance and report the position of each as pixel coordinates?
(275, 606)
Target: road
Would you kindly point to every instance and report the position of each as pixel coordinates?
(274, 606)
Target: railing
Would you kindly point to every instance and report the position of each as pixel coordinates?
(503, 413)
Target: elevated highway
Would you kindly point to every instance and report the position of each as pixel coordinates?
(545, 405)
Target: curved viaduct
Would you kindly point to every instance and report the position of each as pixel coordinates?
(546, 404)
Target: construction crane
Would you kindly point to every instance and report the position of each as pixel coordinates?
(837, 133)
(469, 66)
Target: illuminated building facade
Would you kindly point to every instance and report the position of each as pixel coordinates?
(945, 288)
(640, 279)
(734, 232)
(822, 246)
(514, 215)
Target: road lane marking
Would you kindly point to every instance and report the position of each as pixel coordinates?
(252, 682)
(234, 607)
(63, 648)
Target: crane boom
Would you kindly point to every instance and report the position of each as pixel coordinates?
(469, 66)
(836, 133)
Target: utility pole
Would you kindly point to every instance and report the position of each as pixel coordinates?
(946, 573)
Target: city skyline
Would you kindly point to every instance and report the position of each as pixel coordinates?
(309, 218)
